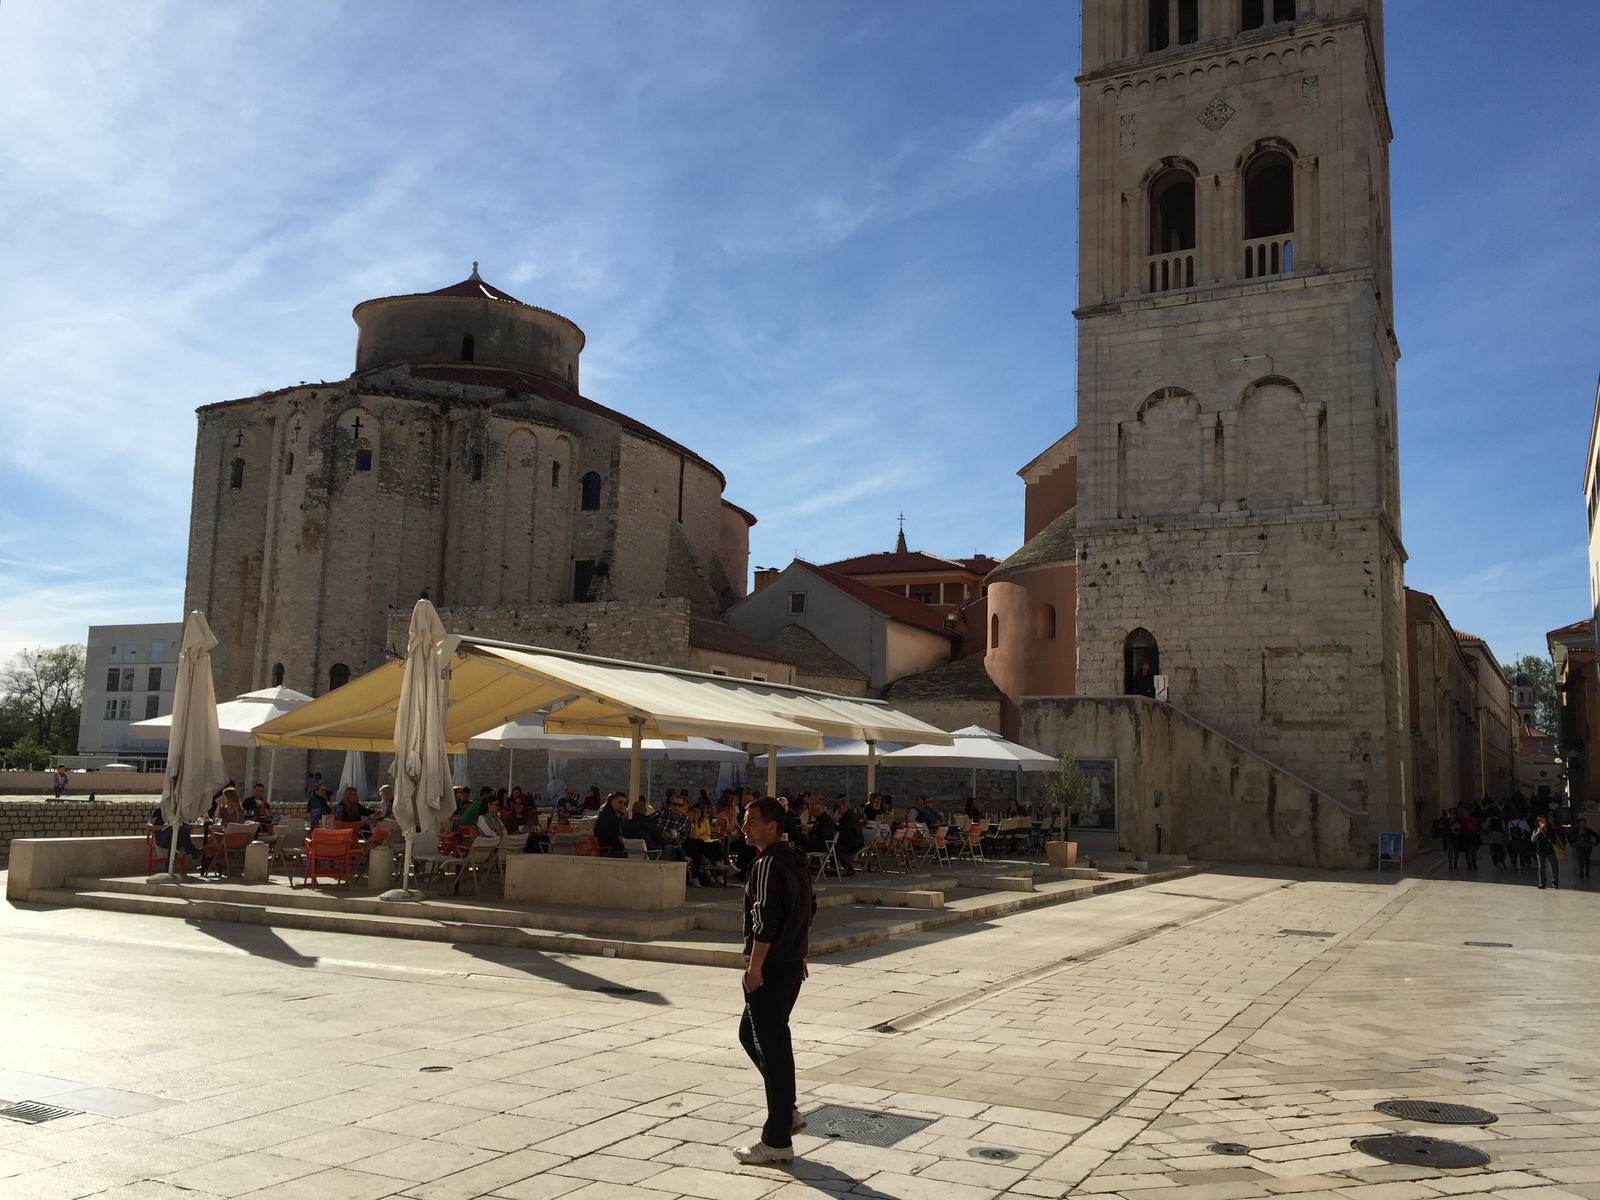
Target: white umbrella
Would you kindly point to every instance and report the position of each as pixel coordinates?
(653, 750)
(236, 721)
(835, 752)
(354, 774)
(527, 733)
(421, 783)
(194, 755)
(974, 749)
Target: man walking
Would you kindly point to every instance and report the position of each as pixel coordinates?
(778, 907)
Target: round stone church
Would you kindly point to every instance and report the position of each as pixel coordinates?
(460, 461)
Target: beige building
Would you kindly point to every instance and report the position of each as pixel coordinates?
(1572, 651)
(1494, 721)
(459, 461)
(1238, 517)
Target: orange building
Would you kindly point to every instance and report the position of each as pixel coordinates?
(1032, 647)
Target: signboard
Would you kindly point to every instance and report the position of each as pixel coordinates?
(1161, 688)
(1392, 849)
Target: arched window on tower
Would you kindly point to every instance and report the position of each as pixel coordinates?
(1171, 230)
(555, 474)
(994, 631)
(1160, 35)
(277, 674)
(1159, 20)
(591, 492)
(1268, 215)
(1253, 13)
(468, 347)
(236, 474)
(338, 676)
(1045, 623)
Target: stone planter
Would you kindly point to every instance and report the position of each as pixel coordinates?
(1061, 854)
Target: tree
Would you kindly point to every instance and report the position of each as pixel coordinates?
(45, 687)
(1541, 673)
(1066, 786)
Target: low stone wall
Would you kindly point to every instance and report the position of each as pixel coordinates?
(27, 818)
(1194, 790)
(42, 864)
(637, 884)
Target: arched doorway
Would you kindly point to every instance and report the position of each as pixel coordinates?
(1141, 663)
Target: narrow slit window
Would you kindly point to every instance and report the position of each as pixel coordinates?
(477, 466)
(363, 460)
(469, 347)
(994, 632)
(288, 463)
(555, 474)
(591, 492)
(236, 474)
(277, 674)
(338, 676)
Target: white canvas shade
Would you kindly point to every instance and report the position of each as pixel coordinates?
(976, 749)
(528, 733)
(194, 754)
(835, 752)
(237, 721)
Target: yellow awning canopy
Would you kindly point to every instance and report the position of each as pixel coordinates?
(494, 682)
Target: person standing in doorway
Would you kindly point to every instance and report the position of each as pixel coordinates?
(778, 907)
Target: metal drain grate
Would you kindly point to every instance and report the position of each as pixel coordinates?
(1307, 932)
(862, 1125)
(1494, 945)
(433, 1070)
(1436, 1111)
(1228, 1148)
(33, 1112)
(992, 1153)
(1406, 1150)
(618, 990)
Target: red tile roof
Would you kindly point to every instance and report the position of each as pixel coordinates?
(503, 379)
(904, 562)
(477, 289)
(1584, 626)
(706, 634)
(896, 608)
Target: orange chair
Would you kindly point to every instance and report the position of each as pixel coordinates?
(330, 852)
(588, 848)
(347, 825)
(156, 857)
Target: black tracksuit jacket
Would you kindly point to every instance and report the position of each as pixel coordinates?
(778, 904)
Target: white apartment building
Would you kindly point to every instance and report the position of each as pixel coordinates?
(129, 673)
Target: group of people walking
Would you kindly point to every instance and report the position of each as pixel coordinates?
(1518, 839)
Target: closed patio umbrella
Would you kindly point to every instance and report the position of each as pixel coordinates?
(422, 780)
(194, 753)
(354, 774)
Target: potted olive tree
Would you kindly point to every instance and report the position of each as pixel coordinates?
(1066, 788)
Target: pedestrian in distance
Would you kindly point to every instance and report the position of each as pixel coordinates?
(1584, 841)
(1546, 852)
(778, 907)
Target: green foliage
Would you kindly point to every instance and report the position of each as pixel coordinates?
(1066, 786)
(25, 754)
(1541, 672)
(41, 697)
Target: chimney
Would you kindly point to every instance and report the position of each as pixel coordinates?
(764, 576)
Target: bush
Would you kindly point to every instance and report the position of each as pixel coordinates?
(25, 754)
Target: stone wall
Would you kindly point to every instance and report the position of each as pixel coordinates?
(70, 818)
(648, 631)
(81, 784)
(1187, 788)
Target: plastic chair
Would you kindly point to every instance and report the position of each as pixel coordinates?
(639, 848)
(288, 847)
(330, 852)
(821, 860)
(236, 836)
(972, 845)
(156, 857)
(475, 862)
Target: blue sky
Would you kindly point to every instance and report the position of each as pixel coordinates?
(832, 246)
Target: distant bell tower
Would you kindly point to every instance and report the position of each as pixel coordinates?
(1238, 486)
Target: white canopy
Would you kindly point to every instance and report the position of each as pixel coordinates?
(974, 748)
(695, 749)
(528, 733)
(237, 720)
(835, 752)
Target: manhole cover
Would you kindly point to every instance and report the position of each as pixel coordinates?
(1409, 1151)
(433, 1070)
(1307, 932)
(617, 990)
(863, 1126)
(1228, 1148)
(32, 1112)
(1436, 1112)
(992, 1153)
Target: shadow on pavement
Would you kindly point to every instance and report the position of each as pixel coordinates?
(831, 1181)
(261, 941)
(544, 967)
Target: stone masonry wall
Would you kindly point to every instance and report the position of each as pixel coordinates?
(649, 631)
(69, 818)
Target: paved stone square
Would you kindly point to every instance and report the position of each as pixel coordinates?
(1104, 1044)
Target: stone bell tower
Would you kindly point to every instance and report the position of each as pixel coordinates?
(1238, 487)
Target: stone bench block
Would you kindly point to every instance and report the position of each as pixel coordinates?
(637, 884)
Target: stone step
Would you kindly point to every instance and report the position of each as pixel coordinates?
(435, 928)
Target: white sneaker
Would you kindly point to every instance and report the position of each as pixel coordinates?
(762, 1154)
(799, 1122)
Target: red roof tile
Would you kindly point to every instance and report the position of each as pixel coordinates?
(896, 563)
(705, 634)
(896, 608)
(477, 289)
(1584, 626)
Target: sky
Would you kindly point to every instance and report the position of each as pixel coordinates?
(830, 245)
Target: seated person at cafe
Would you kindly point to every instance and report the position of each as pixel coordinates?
(319, 806)
(608, 826)
(1013, 809)
(515, 811)
(227, 808)
(794, 827)
(975, 810)
(350, 807)
(163, 836)
(822, 827)
(707, 859)
(851, 838)
(255, 805)
(640, 824)
(489, 822)
(591, 800)
(672, 827)
(385, 801)
(925, 812)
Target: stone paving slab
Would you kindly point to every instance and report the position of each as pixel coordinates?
(1106, 1043)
